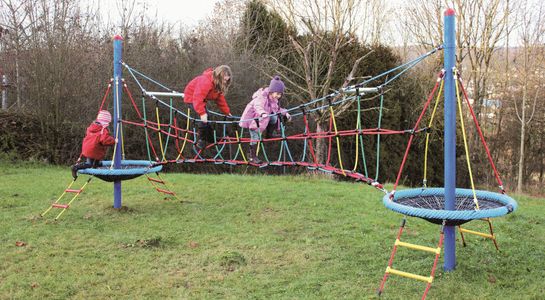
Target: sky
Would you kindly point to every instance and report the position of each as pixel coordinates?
(187, 12)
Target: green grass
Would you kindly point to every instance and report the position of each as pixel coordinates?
(240, 237)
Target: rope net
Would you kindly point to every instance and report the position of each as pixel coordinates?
(172, 137)
(227, 142)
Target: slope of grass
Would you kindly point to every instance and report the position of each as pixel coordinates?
(239, 237)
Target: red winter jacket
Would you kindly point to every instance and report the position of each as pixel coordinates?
(201, 89)
(95, 141)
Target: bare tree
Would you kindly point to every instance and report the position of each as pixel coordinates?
(530, 70)
(15, 19)
(375, 19)
(481, 27)
(327, 28)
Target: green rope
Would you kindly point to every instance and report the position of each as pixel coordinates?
(146, 126)
(169, 127)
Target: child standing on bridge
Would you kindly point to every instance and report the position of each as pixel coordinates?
(210, 85)
(96, 140)
(261, 114)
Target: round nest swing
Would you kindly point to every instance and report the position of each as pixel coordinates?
(129, 169)
(429, 204)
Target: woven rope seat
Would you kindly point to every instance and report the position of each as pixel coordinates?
(129, 169)
(429, 203)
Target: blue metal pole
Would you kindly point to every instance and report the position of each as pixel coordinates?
(118, 49)
(449, 42)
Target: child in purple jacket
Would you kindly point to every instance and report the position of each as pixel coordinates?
(261, 114)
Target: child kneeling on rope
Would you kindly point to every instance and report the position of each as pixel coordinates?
(97, 138)
(261, 114)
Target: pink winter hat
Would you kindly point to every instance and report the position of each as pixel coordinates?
(104, 117)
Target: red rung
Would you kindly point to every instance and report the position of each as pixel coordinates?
(156, 180)
(72, 191)
(60, 205)
(165, 191)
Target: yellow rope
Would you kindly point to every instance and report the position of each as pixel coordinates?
(122, 141)
(337, 138)
(115, 145)
(459, 100)
(58, 199)
(186, 134)
(159, 132)
(259, 142)
(437, 98)
(73, 198)
(116, 109)
(240, 147)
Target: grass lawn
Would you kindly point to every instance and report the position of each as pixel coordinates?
(240, 237)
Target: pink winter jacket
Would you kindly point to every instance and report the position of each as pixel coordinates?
(260, 104)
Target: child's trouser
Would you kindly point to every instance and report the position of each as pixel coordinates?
(271, 127)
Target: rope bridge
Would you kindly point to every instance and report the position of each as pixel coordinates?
(180, 130)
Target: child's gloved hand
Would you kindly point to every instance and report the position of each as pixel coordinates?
(204, 118)
(287, 117)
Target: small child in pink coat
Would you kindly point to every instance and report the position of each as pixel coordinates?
(261, 114)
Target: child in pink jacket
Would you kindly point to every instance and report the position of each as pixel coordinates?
(261, 114)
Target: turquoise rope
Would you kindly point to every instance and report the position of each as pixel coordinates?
(285, 142)
(238, 148)
(146, 127)
(305, 145)
(169, 127)
(218, 149)
(263, 148)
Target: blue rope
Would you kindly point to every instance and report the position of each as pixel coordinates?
(508, 204)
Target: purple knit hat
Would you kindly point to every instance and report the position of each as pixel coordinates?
(276, 85)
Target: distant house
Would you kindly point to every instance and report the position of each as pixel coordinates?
(491, 103)
(490, 106)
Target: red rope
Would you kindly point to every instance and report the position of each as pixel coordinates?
(307, 130)
(105, 95)
(132, 101)
(496, 173)
(391, 260)
(150, 127)
(176, 141)
(430, 97)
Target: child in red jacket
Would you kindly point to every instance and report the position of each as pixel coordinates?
(211, 85)
(96, 140)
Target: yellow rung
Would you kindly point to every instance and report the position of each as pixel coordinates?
(418, 247)
(490, 236)
(409, 275)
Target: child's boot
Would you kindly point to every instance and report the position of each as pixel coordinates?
(253, 154)
(201, 142)
(271, 131)
(74, 172)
